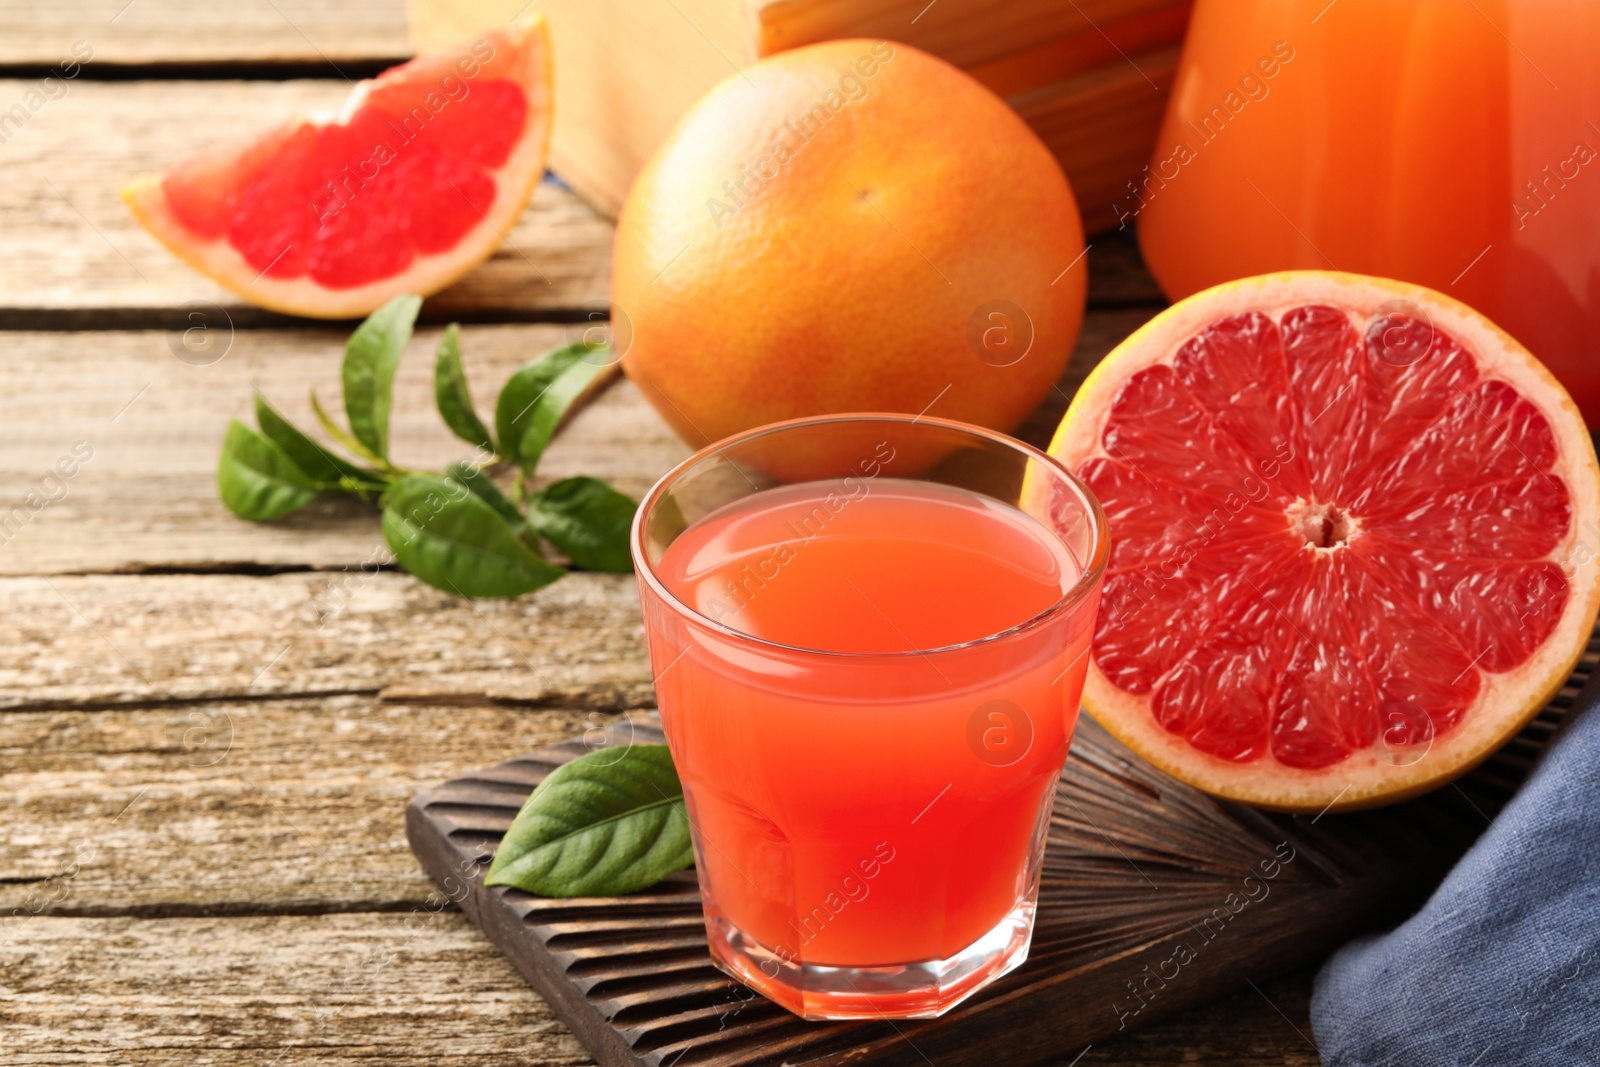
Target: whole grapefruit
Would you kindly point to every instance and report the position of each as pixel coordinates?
(849, 226)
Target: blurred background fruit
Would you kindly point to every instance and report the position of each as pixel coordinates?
(1455, 145)
(850, 226)
(1089, 76)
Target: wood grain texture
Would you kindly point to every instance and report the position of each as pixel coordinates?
(415, 987)
(1117, 275)
(197, 31)
(147, 498)
(242, 807)
(75, 256)
(123, 641)
(419, 988)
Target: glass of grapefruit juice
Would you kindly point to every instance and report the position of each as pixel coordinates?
(869, 635)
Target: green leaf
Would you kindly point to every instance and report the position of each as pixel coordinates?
(605, 824)
(452, 395)
(370, 359)
(338, 433)
(586, 519)
(321, 466)
(485, 490)
(256, 479)
(445, 535)
(533, 400)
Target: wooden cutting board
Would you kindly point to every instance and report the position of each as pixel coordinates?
(1154, 897)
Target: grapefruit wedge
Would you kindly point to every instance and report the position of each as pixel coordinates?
(414, 182)
(1354, 534)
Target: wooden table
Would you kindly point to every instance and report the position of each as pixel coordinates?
(209, 729)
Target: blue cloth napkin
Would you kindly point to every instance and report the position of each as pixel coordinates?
(1501, 967)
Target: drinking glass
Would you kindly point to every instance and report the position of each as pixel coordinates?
(869, 826)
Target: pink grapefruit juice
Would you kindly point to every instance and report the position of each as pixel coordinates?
(870, 777)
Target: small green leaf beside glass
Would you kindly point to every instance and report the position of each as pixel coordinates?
(586, 519)
(608, 823)
(457, 530)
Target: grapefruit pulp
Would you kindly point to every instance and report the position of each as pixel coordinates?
(413, 183)
(1354, 533)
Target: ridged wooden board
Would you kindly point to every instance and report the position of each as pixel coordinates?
(1140, 912)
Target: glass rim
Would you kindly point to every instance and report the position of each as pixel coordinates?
(1070, 599)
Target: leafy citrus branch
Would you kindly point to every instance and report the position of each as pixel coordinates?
(454, 530)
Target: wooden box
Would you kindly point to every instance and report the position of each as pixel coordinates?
(1090, 76)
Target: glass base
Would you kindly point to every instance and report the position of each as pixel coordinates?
(924, 989)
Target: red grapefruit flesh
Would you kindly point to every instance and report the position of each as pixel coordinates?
(1354, 537)
(412, 184)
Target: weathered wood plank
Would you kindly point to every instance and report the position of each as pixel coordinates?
(126, 640)
(147, 497)
(243, 807)
(75, 257)
(418, 988)
(197, 31)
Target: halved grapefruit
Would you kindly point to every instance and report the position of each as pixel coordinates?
(1354, 536)
(413, 183)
